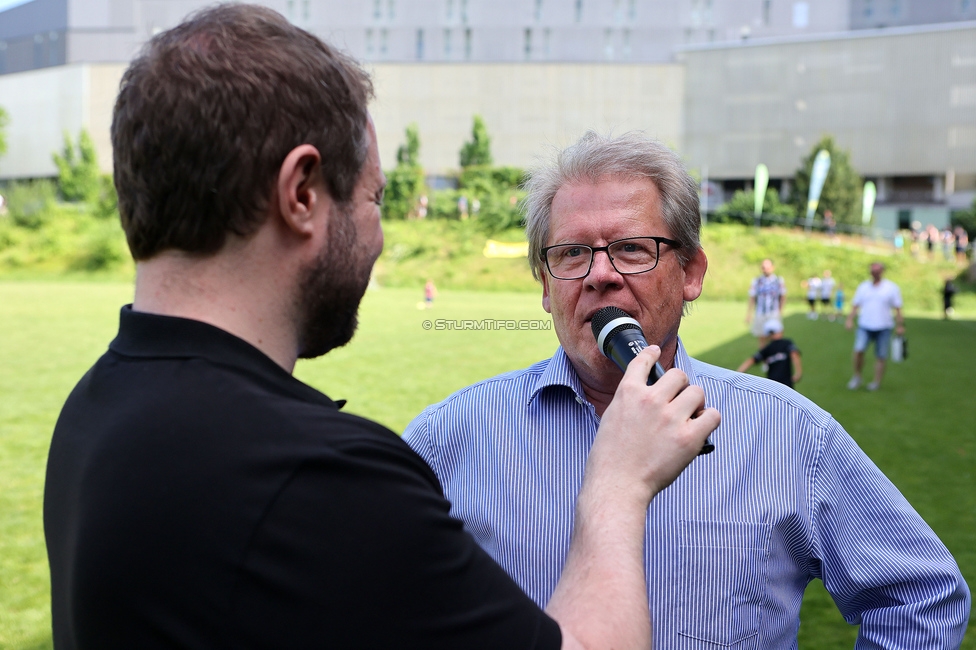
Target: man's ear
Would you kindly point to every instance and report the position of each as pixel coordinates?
(695, 275)
(545, 291)
(299, 189)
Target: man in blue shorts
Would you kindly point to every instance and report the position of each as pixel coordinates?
(873, 303)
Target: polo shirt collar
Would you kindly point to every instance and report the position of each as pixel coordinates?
(144, 335)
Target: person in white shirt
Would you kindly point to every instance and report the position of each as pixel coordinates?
(873, 304)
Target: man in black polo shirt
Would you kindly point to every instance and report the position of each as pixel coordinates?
(197, 495)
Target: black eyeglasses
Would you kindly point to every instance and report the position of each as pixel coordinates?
(628, 256)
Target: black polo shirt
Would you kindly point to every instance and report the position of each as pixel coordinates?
(199, 496)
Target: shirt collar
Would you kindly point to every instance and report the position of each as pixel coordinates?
(145, 335)
(560, 372)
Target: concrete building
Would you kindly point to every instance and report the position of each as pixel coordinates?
(728, 83)
(44, 33)
(902, 101)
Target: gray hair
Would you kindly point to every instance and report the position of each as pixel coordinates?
(632, 155)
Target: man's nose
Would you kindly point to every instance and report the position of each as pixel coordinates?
(602, 273)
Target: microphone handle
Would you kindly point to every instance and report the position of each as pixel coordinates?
(624, 347)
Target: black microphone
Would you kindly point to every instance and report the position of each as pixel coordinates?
(620, 338)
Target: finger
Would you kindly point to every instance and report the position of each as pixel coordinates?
(640, 367)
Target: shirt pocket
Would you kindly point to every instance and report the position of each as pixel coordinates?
(723, 581)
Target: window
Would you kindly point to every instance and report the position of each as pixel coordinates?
(579, 10)
(546, 40)
(631, 10)
(464, 11)
(420, 44)
(447, 44)
(608, 44)
(766, 6)
(291, 11)
(369, 42)
(391, 9)
(306, 11)
(384, 38)
(801, 14)
(52, 48)
(868, 8)
(626, 47)
(528, 44)
(895, 7)
(377, 9)
(450, 9)
(467, 43)
(537, 13)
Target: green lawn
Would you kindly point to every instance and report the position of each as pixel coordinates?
(919, 428)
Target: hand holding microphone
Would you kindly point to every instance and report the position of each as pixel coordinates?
(620, 338)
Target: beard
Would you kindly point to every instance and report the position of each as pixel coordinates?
(331, 289)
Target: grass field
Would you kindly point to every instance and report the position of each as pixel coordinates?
(920, 429)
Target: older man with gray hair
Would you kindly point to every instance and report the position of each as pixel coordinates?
(786, 497)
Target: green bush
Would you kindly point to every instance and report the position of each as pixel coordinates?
(742, 206)
(29, 203)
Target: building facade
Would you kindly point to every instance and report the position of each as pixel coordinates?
(727, 83)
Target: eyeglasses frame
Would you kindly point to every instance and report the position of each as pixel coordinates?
(543, 255)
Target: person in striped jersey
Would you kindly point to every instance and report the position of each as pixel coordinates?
(786, 498)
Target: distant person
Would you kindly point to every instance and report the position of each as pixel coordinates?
(932, 237)
(430, 292)
(948, 244)
(962, 244)
(780, 356)
(812, 286)
(838, 303)
(830, 224)
(826, 290)
(948, 293)
(767, 296)
(873, 304)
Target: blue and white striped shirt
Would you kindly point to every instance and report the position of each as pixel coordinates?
(786, 497)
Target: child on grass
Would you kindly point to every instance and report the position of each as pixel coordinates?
(780, 355)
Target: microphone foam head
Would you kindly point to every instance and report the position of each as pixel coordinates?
(605, 318)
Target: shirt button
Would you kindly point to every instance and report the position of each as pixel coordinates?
(579, 400)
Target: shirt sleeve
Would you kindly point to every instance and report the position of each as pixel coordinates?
(882, 564)
(896, 296)
(372, 526)
(752, 287)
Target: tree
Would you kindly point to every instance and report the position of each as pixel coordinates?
(409, 152)
(4, 121)
(78, 175)
(478, 150)
(405, 182)
(841, 191)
